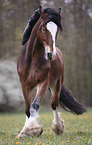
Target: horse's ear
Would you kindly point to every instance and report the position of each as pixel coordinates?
(59, 10)
(40, 8)
(42, 14)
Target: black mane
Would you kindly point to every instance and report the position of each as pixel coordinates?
(52, 14)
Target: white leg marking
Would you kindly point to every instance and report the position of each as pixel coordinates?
(58, 123)
(31, 128)
(26, 120)
(56, 118)
(52, 27)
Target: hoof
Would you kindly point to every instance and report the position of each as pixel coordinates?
(32, 132)
(21, 135)
(32, 128)
(58, 128)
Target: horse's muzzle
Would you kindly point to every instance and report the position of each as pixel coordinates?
(49, 55)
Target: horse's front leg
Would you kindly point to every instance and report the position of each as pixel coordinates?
(32, 125)
(41, 88)
(36, 128)
(58, 122)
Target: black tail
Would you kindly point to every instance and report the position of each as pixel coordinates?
(69, 103)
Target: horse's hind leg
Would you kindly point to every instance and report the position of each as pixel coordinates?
(58, 123)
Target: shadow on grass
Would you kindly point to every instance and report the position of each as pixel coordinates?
(83, 133)
(79, 133)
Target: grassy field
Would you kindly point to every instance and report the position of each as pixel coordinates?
(78, 129)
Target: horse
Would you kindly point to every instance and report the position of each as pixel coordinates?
(40, 65)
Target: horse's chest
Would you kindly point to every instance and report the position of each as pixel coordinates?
(55, 72)
(38, 72)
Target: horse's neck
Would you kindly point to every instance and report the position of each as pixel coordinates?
(33, 43)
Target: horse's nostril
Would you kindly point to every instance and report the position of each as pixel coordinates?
(49, 56)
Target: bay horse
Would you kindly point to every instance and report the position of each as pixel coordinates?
(40, 64)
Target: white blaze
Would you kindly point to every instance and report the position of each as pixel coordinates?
(52, 27)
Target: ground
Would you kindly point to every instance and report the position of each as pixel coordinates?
(78, 129)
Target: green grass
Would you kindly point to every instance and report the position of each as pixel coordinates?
(78, 129)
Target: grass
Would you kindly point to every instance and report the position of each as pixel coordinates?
(78, 129)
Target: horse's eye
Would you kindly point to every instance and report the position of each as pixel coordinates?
(43, 29)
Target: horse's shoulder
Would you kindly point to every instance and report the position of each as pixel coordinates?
(21, 59)
(22, 55)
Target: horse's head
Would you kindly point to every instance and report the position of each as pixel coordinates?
(47, 34)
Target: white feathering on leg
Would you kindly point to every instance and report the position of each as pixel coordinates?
(58, 123)
(32, 127)
(32, 122)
